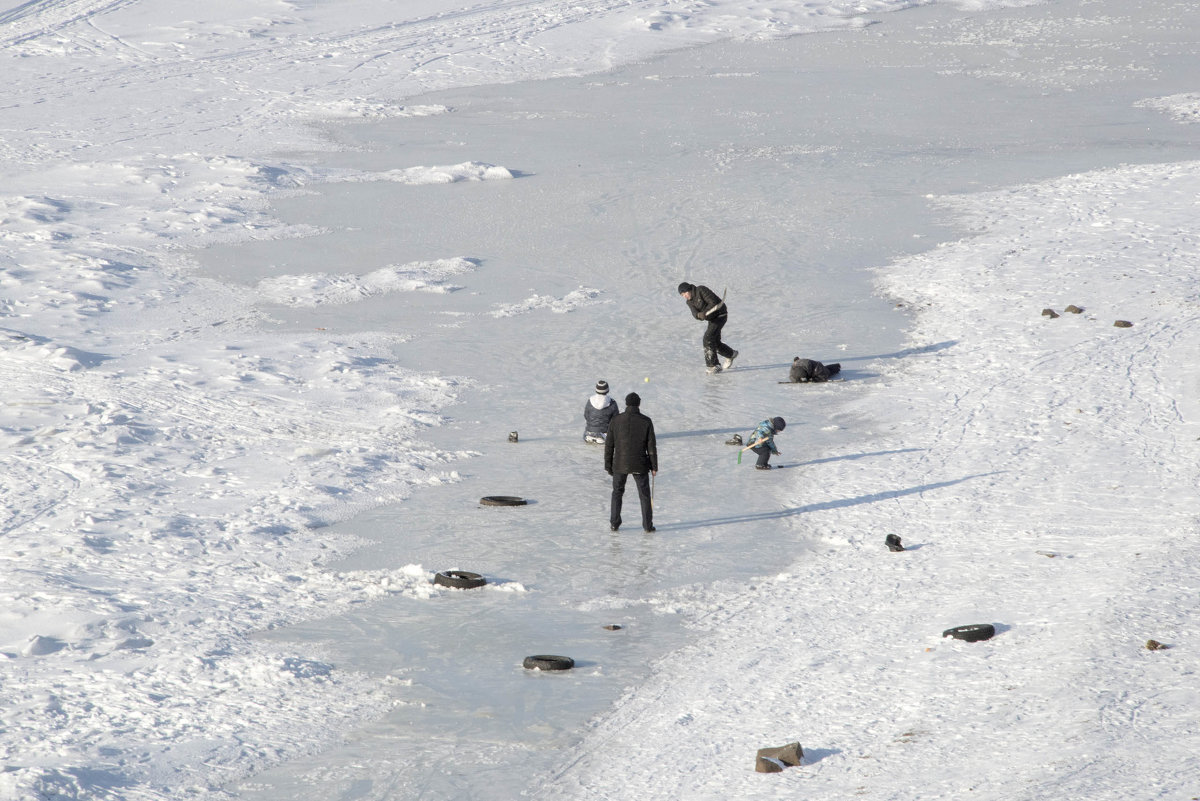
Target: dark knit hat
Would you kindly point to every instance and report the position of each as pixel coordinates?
(633, 399)
(602, 387)
(778, 423)
(686, 287)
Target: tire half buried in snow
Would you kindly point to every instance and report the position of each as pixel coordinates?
(549, 662)
(459, 579)
(502, 500)
(974, 632)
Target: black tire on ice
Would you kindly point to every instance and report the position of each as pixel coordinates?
(549, 662)
(975, 632)
(502, 500)
(459, 579)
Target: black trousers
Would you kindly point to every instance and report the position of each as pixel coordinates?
(642, 480)
(713, 346)
(764, 454)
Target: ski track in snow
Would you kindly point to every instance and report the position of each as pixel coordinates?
(167, 464)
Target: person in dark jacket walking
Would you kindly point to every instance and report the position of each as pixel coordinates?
(598, 413)
(707, 307)
(630, 449)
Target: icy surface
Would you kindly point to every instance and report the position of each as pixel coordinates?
(226, 490)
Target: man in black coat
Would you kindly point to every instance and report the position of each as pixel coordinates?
(707, 307)
(630, 449)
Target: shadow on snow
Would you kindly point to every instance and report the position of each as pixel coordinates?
(817, 507)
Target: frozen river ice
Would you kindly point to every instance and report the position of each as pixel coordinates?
(782, 171)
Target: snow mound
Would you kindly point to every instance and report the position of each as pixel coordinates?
(361, 108)
(1182, 107)
(33, 351)
(323, 289)
(420, 176)
(568, 303)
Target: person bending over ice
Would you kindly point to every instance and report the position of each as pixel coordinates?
(809, 370)
(762, 441)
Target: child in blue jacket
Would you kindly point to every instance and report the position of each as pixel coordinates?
(762, 441)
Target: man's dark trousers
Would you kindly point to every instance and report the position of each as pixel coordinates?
(713, 346)
(618, 493)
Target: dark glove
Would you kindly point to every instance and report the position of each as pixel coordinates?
(699, 316)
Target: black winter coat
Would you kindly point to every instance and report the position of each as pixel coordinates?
(806, 370)
(705, 300)
(630, 446)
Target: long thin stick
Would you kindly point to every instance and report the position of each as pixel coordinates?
(748, 447)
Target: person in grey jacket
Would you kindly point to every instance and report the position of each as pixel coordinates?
(598, 413)
(630, 449)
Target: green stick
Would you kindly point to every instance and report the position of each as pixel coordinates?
(748, 447)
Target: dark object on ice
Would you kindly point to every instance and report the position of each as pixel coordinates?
(1051, 313)
(1073, 309)
(1155, 645)
(502, 500)
(1123, 324)
(893, 543)
(512, 436)
(774, 760)
(736, 439)
(805, 371)
(975, 632)
(459, 579)
(549, 662)
(613, 626)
